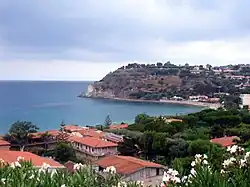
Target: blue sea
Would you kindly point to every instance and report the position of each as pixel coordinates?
(48, 103)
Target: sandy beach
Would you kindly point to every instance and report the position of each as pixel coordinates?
(164, 101)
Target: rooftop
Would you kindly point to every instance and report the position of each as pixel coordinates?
(92, 133)
(92, 142)
(11, 156)
(120, 126)
(126, 164)
(224, 141)
(3, 143)
(72, 128)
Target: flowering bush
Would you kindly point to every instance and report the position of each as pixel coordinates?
(234, 172)
(23, 174)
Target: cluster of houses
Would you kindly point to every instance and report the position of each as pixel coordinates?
(96, 147)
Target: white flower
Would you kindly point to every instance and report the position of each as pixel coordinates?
(122, 184)
(229, 162)
(193, 163)
(110, 169)
(247, 155)
(243, 163)
(141, 183)
(193, 172)
(53, 172)
(171, 176)
(184, 179)
(205, 156)
(222, 171)
(78, 166)
(32, 176)
(1, 160)
(15, 164)
(63, 185)
(19, 159)
(3, 180)
(46, 166)
(205, 162)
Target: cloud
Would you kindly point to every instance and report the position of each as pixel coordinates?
(92, 32)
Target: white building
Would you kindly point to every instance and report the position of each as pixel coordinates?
(245, 98)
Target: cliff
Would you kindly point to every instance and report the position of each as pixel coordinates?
(154, 82)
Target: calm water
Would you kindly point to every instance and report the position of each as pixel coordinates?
(47, 104)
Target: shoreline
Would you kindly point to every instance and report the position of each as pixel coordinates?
(162, 101)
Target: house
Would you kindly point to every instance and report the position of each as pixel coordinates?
(4, 145)
(72, 128)
(198, 98)
(131, 168)
(92, 133)
(115, 138)
(225, 141)
(245, 98)
(91, 148)
(37, 161)
(169, 120)
(121, 126)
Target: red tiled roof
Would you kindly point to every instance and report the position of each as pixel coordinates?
(121, 126)
(11, 156)
(92, 133)
(92, 142)
(72, 128)
(224, 141)
(4, 143)
(126, 164)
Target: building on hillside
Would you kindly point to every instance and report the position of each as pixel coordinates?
(169, 120)
(245, 99)
(87, 132)
(91, 148)
(37, 161)
(120, 126)
(132, 168)
(198, 98)
(4, 145)
(225, 141)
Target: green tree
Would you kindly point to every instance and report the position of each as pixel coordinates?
(20, 133)
(64, 152)
(107, 121)
(46, 138)
(199, 147)
(128, 147)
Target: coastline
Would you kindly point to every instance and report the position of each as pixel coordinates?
(184, 102)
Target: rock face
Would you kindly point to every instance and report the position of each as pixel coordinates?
(153, 82)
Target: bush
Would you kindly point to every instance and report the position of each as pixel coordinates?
(24, 174)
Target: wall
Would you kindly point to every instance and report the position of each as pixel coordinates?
(144, 174)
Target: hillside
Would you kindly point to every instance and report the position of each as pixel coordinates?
(156, 81)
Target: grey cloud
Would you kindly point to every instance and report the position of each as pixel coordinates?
(47, 29)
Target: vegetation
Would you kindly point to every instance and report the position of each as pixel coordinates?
(20, 133)
(64, 152)
(107, 121)
(22, 173)
(165, 80)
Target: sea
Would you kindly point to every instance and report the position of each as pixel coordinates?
(49, 103)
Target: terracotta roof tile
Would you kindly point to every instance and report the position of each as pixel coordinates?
(224, 141)
(11, 156)
(72, 128)
(126, 164)
(92, 142)
(121, 126)
(92, 133)
(3, 143)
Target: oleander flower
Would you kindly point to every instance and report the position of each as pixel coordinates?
(20, 159)
(3, 180)
(229, 162)
(15, 164)
(110, 169)
(78, 166)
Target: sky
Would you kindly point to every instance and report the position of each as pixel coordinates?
(86, 39)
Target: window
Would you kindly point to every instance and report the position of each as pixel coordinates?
(141, 173)
(147, 173)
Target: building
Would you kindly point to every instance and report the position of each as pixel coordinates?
(37, 161)
(132, 168)
(4, 145)
(91, 148)
(198, 98)
(72, 128)
(170, 120)
(225, 141)
(121, 126)
(114, 137)
(245, 98)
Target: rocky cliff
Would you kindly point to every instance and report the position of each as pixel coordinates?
(153, 82)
